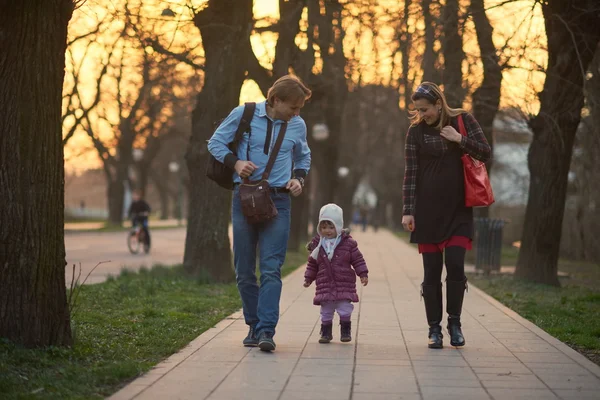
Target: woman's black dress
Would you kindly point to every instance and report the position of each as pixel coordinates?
(440, 211)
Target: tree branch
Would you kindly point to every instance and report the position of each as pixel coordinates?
(182, 57)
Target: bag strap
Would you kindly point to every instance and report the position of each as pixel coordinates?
(244, 125)
(275, 151)
(461, 125)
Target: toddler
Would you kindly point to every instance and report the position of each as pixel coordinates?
(334, 262)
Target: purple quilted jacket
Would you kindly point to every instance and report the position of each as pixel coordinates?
(336, 280)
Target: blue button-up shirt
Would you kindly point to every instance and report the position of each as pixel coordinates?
(294, 152)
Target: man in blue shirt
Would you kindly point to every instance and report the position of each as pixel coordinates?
(284, 100)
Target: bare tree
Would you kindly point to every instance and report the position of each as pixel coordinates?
(430, 72)
(225, 26)
(328, 84)
(571, 28)
(452, 47)
(33, 302)
(581, 223)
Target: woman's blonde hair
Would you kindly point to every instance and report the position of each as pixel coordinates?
(288, 87)
(432, 93)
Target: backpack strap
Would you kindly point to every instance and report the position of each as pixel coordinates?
(244, 125)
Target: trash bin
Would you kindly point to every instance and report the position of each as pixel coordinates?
(488, 244)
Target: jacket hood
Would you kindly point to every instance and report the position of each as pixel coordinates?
(334, 214)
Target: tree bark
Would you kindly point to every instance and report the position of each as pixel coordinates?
(428, 64)
(163, 193)
(486, 98)
(33, 301)
(405, 46)
(454, 55)
(225, 27)
(116, 200)
(573, 36)
(299, 222)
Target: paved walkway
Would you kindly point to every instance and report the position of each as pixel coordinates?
(506, 357)
(87, 249)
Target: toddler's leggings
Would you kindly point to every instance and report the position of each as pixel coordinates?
(344, 309)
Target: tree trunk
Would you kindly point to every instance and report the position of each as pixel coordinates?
(225, 27)
(486, 98)
(33, 301)
(299, 223)
(163, 193)
(453, 56)
(573, 37)
(116, 196)
(405, 46)
(428, 65)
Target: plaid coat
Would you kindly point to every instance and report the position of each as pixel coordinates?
(474, 144)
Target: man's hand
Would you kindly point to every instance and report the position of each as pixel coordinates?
(294, 187)
(307, 283)
(244, 168)
(364, 280)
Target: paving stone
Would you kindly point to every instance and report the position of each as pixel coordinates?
(522, 394)
(577, 394)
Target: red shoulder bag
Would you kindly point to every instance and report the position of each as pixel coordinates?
(478, 190)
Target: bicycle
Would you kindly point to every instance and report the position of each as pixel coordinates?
(137, 236)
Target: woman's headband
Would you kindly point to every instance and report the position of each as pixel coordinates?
(427, 92)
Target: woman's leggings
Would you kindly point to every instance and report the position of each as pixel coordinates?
(455, 265)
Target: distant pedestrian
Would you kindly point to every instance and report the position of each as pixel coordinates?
(364, 216)
(434, 202)
(334, 263)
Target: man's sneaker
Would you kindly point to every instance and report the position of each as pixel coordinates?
(265, 341)
(251, 340)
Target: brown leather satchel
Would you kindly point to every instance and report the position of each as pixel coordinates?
(255, 196)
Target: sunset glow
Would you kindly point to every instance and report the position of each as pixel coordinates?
(374, 56)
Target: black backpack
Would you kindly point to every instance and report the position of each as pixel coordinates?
(219, 172)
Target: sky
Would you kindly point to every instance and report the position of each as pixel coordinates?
(519, 21)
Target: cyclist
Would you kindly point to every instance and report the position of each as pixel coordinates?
(138, 213)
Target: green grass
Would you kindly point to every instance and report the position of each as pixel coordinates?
(122, 328)
(569, 313)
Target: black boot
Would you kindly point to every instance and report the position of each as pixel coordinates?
(326, 333)
(432, 294)
(455, 293)
(346, 331)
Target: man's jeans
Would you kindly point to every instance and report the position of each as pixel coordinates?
(261, 305)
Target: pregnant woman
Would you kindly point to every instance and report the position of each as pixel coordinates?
(434, 203)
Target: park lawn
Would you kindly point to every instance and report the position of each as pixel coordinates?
(122, 328)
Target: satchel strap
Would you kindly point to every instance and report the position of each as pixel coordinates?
(273, 155)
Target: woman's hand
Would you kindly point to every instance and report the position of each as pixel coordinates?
(408, 222)
(451, 134)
